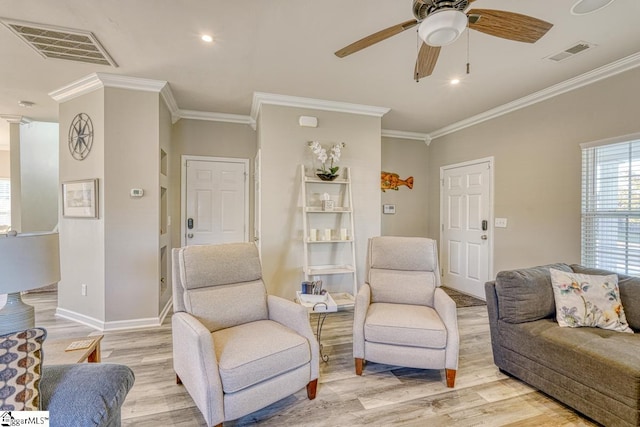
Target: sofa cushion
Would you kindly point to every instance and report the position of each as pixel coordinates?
(85, 394)
(604, 360)
(254, 352)
(629, 293)
(404, 324)
(526, 294)
(588, 300)
(20, 370)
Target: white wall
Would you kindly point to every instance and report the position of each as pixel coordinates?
(538, 167)
(38, 176)
(5, 164)
(284, 147)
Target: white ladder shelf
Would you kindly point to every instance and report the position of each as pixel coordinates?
(329, 246)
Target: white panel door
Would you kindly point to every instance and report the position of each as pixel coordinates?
(215, 202)
(466, 209)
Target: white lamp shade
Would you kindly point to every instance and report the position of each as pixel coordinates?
(28, 261)
(442, 27)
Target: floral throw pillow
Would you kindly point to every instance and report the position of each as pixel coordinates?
(20, 370)
(583, 300)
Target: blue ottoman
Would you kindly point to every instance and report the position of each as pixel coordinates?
(85, 394)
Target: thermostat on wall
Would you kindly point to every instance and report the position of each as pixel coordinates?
(137, 192)
(389, 209)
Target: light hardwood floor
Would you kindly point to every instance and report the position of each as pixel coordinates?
(382, 396)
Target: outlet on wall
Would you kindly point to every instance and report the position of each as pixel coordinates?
(83, 290)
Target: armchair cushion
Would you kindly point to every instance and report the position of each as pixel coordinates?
(235, 263)
(404, 324)
(254, 352)
(220, 307)
(402, 287)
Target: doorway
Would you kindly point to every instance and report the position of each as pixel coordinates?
(215, 200)
(466, 218)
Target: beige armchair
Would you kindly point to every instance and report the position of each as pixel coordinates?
(235, 348)
(402, 316)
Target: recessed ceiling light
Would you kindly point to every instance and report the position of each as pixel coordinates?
(206, 38)
(582, 7)
(454, 81)
(26, 104)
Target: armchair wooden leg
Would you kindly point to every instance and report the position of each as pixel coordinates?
(451, 377)
(311, 389)
(178, 380)
(359, 365)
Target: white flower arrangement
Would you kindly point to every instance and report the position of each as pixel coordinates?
(333, 156)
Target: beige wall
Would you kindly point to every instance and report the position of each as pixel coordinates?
(82, 248)
(406, 158)
(283, 145)
(212, 139)
(117, 254)
(538, 167)
(132, 225)
(5, 164)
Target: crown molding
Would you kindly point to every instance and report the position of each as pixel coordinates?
(590, 77)
(11, 118)
(216, 117)
(96, 81)
(170, 101)
(262, 98)
(401, 134)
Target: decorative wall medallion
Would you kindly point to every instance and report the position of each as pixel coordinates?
(80, 136)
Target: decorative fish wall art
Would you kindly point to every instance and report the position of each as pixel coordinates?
(391, 181)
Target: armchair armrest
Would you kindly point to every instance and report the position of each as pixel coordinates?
(296, 317)
(195, 363)
(448, 312)
(363, 300)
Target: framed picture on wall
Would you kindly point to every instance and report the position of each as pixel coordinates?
(80, 199)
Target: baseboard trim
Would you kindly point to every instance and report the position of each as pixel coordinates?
(118, 325)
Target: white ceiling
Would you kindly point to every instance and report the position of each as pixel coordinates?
(286, 47)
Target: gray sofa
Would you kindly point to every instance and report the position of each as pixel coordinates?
(594, 371)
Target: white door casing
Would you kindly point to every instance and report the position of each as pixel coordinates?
(257, 210)
(466, 249)
(215, 197)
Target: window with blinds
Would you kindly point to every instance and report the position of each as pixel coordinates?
(5, 203)
(611, 207)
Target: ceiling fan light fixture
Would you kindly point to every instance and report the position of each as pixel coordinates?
(582, 7)
(442, 27)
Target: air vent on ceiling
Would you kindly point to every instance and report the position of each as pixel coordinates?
(61, 43)
(572, 51)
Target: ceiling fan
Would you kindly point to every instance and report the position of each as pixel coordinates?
(441, 22)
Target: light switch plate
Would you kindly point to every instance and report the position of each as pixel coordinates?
(500, 222)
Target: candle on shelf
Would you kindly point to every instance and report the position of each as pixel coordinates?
(313, 235)
(343, 234)
(327, 234)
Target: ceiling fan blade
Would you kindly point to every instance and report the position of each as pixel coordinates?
(508, 25)
(426, 62)
(375, 38)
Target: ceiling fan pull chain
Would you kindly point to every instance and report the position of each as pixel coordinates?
(468, 38)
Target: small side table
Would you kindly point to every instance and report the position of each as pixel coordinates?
(55, 354)
(322, 307)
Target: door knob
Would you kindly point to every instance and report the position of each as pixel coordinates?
(190, 235)
(483, 237)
